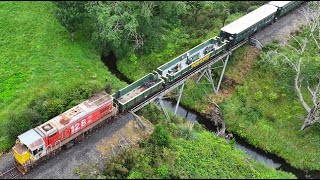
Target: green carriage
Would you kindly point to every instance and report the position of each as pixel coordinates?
(138, 91)
(197, 56)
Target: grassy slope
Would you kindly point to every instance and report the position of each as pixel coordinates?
(36, 55)
(281, 136)
(211, 157)
(271, 125)
(190, 152)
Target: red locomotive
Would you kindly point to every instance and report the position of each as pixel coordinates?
(38, 143)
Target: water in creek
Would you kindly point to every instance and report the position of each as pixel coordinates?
(193, 116)
(255, 153)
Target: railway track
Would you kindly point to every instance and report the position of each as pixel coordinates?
(184, 77)
(11, 173)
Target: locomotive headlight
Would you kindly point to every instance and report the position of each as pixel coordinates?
(231, 38)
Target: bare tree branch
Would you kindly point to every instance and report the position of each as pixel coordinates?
(297, 84)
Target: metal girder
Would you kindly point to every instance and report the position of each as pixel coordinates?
(180, 94)
(256, 42)
(159, 100)
(207, 74)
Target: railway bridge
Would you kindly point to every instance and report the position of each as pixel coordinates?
(204, 69)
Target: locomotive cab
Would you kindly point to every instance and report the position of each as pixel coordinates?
(29, 148)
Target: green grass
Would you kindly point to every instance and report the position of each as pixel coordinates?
(36, 55)
(265, 110)
(273, 126)
(176, 150)
(212, 157)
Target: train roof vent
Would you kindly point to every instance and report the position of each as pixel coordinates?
(47, 127)
(73, 112)
(99, 98)
(64, 119)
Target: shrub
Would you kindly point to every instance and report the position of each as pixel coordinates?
(243, 93)
(160, 136)
(254, 113)
(133, 58)
(18, 123)
(258, 96)
(273, 96)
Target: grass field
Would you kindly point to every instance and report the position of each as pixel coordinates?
(177, 150)
(268, 123)
(36, 55)
(264, 109)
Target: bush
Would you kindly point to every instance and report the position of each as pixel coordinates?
(258, 96)
(18, 123)
(253, 114)
(273, 96)
(160, 136)
(243, 93)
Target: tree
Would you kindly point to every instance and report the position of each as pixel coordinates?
(304, 68)
(126, 27)
(70, 14)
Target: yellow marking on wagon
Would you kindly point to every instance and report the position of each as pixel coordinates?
(199, 61)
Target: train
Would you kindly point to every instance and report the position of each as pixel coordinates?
(63, 130)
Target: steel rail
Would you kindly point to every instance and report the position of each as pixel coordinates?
(11, 173)
(186, 76)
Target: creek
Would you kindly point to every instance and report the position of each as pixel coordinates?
(193, 116)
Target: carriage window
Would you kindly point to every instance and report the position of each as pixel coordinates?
(35, 152)
(40, 149)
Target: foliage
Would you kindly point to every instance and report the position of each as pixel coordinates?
(258, 96)
(36, 56)
(160, 137)
(273, 96)
(70, 14)
(127, 27)
(46, 107)
(204, 157)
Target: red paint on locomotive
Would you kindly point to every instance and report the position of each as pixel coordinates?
(53, 134)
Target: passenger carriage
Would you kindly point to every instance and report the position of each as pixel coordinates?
(245, 26)
(285, 6)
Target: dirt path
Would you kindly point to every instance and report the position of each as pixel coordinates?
(281, 29)
(93, 150)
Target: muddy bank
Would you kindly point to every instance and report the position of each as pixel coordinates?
(254, 152)
(193, 116)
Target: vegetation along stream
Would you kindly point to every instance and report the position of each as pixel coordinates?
(193, 116)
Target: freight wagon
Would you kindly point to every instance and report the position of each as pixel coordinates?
(138, 91)
(190, 59)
